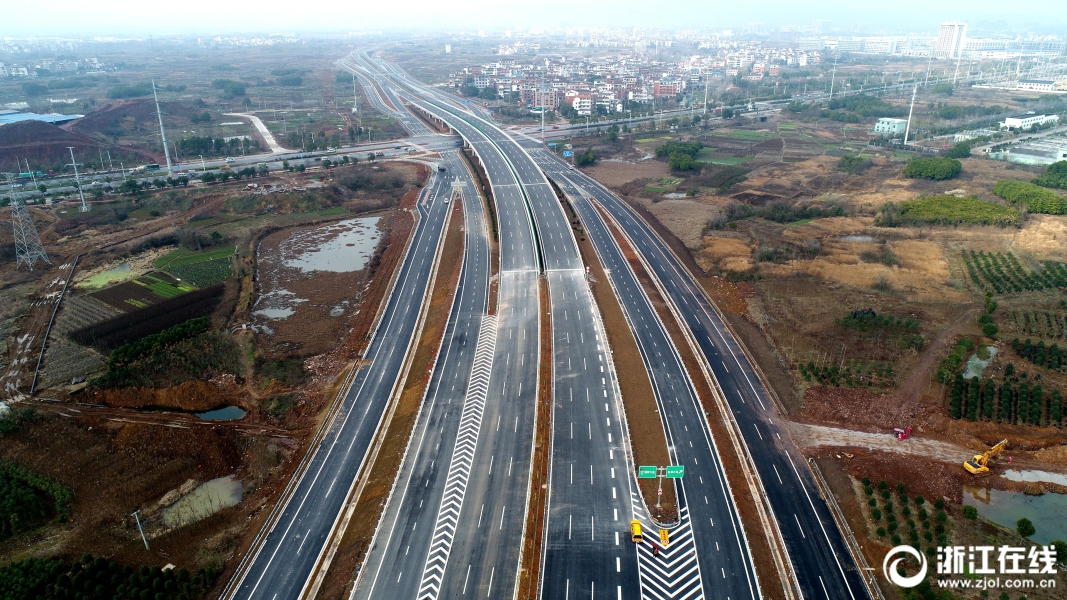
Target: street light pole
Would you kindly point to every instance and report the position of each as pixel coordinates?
(202, 163)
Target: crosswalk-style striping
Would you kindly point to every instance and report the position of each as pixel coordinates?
(675, 573)
(459, 469)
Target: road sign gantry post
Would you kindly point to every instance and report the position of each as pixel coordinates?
(670, 471)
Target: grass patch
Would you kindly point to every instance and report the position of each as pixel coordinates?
(162, 288)
(645, 140)
(657, 189)
(337, 210)
(722, 159)
(164, 260)
(745, 134)
(788, 126)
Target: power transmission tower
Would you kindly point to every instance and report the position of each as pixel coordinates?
(28, 247)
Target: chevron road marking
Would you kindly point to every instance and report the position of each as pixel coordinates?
(675, 573)
(459, 469)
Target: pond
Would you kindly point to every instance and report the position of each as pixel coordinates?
(206, 500)
(1047, 511)
(857, 238)
(103, 278)
(341, 247)
(226, 413)
(976, 365)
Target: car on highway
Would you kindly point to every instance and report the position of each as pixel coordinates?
(229, 159)
(635, 532)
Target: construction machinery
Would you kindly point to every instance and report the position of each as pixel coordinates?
(979, 463)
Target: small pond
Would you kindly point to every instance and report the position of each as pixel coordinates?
(206, 500)
(226, 413)
(1047, 511)
(976, 365)
(1027, 475)
(857, 238)
(341, 247)
(101, 279)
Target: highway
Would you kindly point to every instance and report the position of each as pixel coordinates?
(475, 512)
(585, 537)
(591, 485)
(713, 555)
(285, 558)
(816, 548)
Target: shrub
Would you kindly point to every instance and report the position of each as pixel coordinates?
(1025, 527)
(1036, 198)
(584, 159)
(670, 148)
(970, 512)
(852, 163)
(1055, 176)
(680, 161)
(989, 329)
(946, 210)
(937, 169)
(960, 150)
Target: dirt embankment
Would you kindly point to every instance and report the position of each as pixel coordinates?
(191, 396)
(647, 438)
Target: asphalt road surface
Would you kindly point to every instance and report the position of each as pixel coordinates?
(287, 555)
(717, 559)
(816, 547)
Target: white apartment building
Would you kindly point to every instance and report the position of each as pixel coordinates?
(950, 42)
(888, 127)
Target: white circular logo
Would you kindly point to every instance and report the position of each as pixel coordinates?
(890, 569)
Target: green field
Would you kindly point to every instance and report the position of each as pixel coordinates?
(162, 261)
(337, 210)
(203, 273)
(746, 134)
(190, 259)
(161, 288)
(787, 126)
(645, 140)
(709, 155)
(656, 189)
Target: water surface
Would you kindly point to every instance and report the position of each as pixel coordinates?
(1047, 511)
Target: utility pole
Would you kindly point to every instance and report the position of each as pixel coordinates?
(137, 516)
(833, 77)
(706, 86)
(163, 134)
(77, 180)
(110, 165)
(907, 129)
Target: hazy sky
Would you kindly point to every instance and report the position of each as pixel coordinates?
(137, 17)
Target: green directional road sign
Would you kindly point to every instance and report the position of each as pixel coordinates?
(646, 472)
(675, 471)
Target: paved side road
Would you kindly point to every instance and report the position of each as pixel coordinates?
(287, 556)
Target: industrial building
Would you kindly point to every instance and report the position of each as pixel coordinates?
(1028, 120)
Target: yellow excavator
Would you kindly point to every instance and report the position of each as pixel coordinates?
(979, 463)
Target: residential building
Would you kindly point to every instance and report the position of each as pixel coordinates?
(888, 127)
(950, 41)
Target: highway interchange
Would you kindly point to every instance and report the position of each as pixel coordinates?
(455, 521)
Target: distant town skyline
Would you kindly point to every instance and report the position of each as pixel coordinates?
(129, 18)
